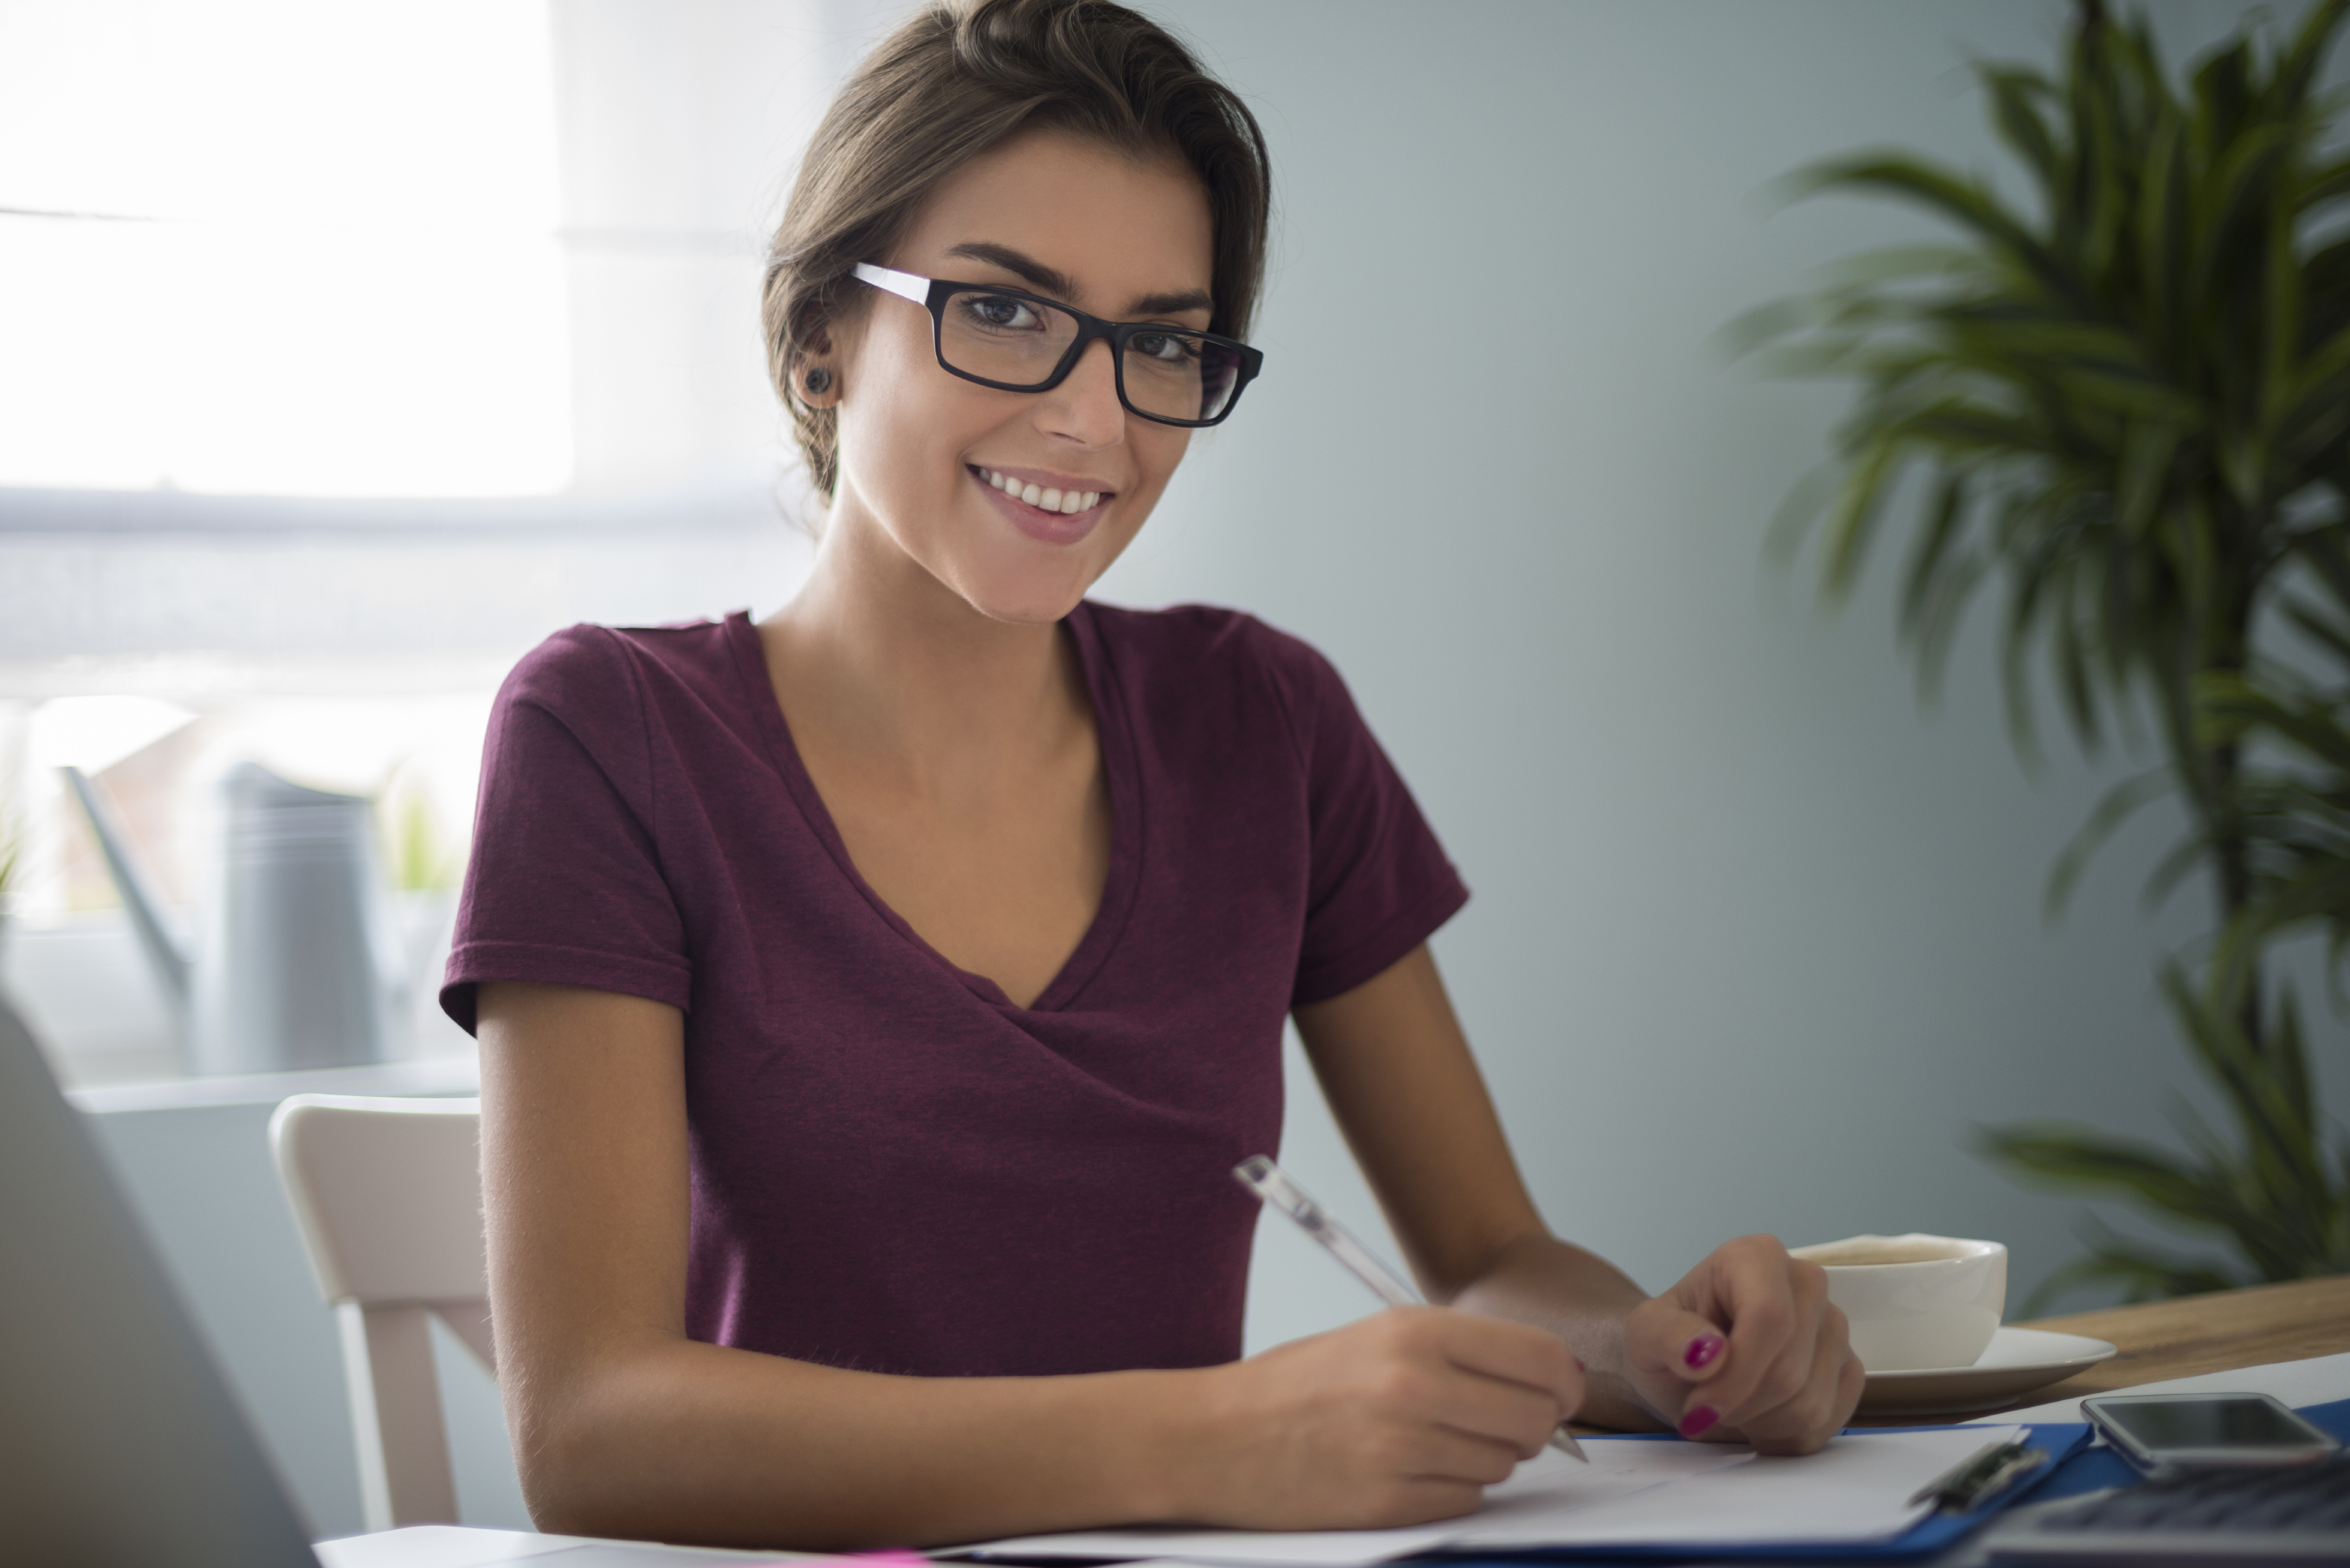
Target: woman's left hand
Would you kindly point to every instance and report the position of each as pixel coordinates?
(1746, 1348)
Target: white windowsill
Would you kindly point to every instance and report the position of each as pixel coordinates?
(93, 1002)
(443, 1076)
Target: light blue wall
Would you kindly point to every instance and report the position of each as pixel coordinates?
(1753, 946)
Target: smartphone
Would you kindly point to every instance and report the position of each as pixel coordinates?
(2162, 1434)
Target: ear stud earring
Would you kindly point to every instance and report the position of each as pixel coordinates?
(819, 381)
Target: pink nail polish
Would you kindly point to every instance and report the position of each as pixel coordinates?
(1701, 1351)
(1699, 1421)
(1578, 1362)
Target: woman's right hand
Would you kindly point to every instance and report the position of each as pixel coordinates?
(1400, 1419)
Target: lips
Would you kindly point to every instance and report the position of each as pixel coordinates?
(1057, 523)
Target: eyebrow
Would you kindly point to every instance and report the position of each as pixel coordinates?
(1052, 281)
(1175, 303)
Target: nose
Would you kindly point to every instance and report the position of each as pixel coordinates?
(1085, 409)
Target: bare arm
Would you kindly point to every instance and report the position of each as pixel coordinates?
(623, 1425)
(1745, 1345)
(1397, 1072)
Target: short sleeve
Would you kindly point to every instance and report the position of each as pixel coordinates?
(565, 884)
(1380, 883)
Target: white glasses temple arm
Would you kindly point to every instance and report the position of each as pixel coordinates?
(904, 284)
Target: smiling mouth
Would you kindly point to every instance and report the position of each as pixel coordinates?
(1068, 502)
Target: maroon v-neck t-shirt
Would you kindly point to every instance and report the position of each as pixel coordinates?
(894, 1168)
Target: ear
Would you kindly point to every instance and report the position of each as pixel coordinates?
(815, 372)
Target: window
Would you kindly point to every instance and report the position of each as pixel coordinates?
(347, 348)
(282, 248)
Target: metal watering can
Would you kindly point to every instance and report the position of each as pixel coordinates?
(296, 966)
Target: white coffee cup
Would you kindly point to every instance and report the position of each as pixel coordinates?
(1914, 1301)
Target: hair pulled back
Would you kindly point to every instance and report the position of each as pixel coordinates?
(953, 82)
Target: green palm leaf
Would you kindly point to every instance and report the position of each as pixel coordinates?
(2130, 396)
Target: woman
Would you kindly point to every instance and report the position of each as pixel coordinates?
(874, 1001)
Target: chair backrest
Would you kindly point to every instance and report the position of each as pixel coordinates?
(387, 1195)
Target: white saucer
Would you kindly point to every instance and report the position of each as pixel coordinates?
(2017, 1361)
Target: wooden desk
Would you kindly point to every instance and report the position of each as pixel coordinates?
(2217, 1333)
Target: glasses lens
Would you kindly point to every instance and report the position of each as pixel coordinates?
(1180, 375)
(1169, 373)
(1003, 337)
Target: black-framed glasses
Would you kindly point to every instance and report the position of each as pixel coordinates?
(1019, 342)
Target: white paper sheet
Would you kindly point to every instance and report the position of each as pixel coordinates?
(1634, 1492)
(1856, 1489)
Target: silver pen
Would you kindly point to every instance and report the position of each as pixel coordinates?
(1268, 1181)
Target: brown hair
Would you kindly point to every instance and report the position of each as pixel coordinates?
(957, 80)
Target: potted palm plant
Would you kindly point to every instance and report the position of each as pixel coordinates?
(2124, 406)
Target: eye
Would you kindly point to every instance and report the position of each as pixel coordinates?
(1164, 347)
(999, 313)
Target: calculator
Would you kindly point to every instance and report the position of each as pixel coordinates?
(2298, 1514)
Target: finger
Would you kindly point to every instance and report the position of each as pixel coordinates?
(1852, 1387)
(1445, 1454)
(1798, 1431)
(1682, 1350)
(1851, 1376)
(1787, 1379)
(1419, 1501)
(1772, 1302)
(1672, 1340)
(1804, 1422)
(1507, 1412)
(1515, 1354)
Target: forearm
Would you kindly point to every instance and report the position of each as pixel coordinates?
(1577, 1295)
(670, 1439)
(1398, 1074)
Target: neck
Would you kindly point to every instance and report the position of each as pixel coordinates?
(891, 663)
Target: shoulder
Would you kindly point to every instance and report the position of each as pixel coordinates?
(626, 696)
(1207, 655)
(586, 670)
(1207, 640)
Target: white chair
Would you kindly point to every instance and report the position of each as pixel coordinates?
(388, 1194)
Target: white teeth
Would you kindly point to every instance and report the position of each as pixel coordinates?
(1068, 502)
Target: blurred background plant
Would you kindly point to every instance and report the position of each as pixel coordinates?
(2129, 401)
(420, 855)
(11, 847)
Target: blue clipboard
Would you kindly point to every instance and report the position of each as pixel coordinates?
(2075, 1468)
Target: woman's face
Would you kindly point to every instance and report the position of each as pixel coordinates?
(1071, 221)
